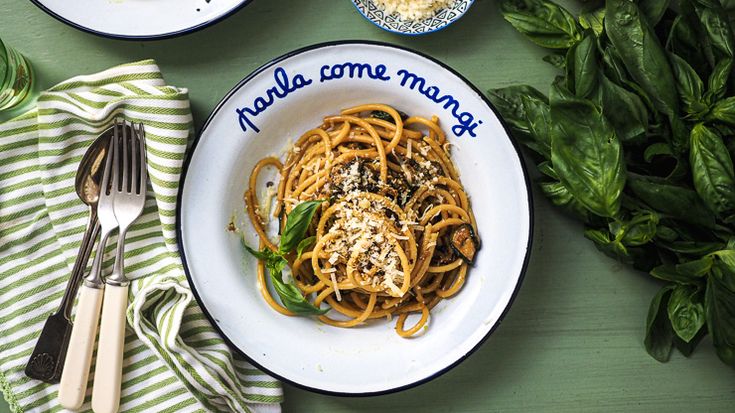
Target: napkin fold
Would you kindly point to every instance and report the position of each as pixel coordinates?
(174, 360)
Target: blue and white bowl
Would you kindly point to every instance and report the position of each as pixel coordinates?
(140, 20)
(273, 106)
(393, 22)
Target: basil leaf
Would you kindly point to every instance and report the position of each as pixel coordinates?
(624, 109)
(560, 196)
(653, 10)
(690, 272)
(509, 102)
(716, 26)
(608, 245)
(642, 258)
(543, 22)
(632, 86)
(613, 66)
(289, 294)
(291, 297)
(727, 258)
(688, 84)
(694, 248)
(627, 103)
(555, 60)
(567, 81)
(685, 40)
(594, 20)
(645, 60)
(724, 111)
(686, 311)
(659, 333)
(546, 169)
(666, 234)
(304, 244)
(538, 118)
(657, 149)
(687, 348)
(679, 202)
(586, 153)
(274, 262)
(728, 5)
(712, 170)
(639, 230)
(718, 80)
(265, 255)
(585, 66)
(642, 54)
(297, 222)
(719, 304)
(526, 110)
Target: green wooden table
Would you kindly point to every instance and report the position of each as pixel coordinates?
(573, 339)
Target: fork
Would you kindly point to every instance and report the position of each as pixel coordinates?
(128, 199)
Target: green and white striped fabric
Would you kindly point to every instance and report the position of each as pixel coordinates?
(174, 360)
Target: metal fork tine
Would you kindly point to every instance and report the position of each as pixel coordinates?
(126, 160)
(143, 175)
(108, 163)
(134, 169)
(116, 156)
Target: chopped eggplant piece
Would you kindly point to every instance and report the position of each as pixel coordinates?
(442, 255)
(379, 114)
(464, 242)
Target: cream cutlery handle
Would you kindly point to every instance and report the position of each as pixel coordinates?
(74, 377)
(108, 370)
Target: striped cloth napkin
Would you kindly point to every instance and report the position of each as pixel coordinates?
(174, 360)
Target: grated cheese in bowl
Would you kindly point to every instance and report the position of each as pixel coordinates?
(412, 9)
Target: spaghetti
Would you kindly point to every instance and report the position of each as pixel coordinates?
(396, 233)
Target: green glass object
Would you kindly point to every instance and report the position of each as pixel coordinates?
(16, 78)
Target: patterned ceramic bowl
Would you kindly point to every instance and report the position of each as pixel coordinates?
(394, 23)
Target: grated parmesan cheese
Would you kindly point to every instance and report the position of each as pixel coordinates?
(412, 9)
(264, 209)
(424, 149)
(399, 237)
(336, 287)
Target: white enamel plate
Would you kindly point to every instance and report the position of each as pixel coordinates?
(275, 105)
(140, 19)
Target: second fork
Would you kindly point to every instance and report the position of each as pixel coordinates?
(129, 189)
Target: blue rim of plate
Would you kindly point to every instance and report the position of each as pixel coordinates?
(180, 243)
(161, 36)
(387, 29)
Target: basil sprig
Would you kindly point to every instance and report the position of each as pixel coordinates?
(636, 140)
(297, 223)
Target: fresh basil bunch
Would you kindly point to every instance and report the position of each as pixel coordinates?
(292, 238)
(636, 139)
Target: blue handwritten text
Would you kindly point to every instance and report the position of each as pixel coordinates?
(353, 70)
(283, 87)
(466, 121)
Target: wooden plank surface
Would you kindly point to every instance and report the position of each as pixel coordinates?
(573, 339)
